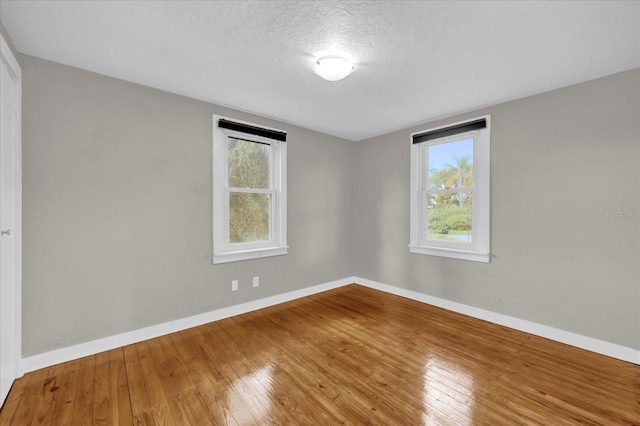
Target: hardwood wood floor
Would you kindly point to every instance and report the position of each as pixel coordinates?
(348, 356)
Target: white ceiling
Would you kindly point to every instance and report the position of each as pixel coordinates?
(415, 61)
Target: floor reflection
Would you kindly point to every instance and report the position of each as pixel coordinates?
(448, 390)
(251, 394)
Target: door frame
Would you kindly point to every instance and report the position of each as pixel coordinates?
(10, 62)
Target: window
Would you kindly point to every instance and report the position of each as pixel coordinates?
(249, 191)
(450, 184)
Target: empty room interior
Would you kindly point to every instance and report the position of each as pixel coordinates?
(320, 212)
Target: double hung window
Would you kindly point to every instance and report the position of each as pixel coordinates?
(450, 184)
(249, 191)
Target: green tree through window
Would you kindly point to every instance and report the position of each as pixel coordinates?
(450, 167)
(450, 191)
(249, 191)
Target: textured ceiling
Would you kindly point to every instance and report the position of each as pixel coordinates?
(415, 61)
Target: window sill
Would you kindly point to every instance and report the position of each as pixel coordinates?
(235, 256)
(474, 256)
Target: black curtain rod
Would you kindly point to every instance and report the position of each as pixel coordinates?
(252, 130)
(451, 130)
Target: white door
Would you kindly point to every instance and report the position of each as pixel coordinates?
(10, 219)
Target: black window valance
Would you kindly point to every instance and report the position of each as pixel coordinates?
(450, 131)
(252, 130)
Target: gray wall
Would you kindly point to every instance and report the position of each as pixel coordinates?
(558, 161)
(117, 209)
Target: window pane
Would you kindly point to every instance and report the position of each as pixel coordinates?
(451, 165)
(449, 217)
(248, 164)
(249, 217)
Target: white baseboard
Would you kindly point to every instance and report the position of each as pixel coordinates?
(58, 356)
(90, 348)
(594, 345)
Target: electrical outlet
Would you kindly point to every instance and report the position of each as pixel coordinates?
(234, 285)
(256, 281)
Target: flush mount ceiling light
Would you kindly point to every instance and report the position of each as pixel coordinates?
(333, 68)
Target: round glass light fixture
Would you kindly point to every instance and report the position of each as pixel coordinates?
(333, 68)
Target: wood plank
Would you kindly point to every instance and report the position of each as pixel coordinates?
(21, 400)
(102, 414)
(16, 396)
(83, 407)
(63, 411)
(49, 393)
(268, 378)
(160, 411)
(244, 394)
(186, 403)
(119, 389)
(138, 393)
(211, 384)
(351, 355)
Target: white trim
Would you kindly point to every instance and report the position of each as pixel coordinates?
(250, 254)
(584, 342)
(223, 250)
(47, 359)
(480, 248)
(452, 253)
(13, 67)
(58, 356)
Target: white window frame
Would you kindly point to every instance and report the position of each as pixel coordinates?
(223, 250)
(480, 248)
